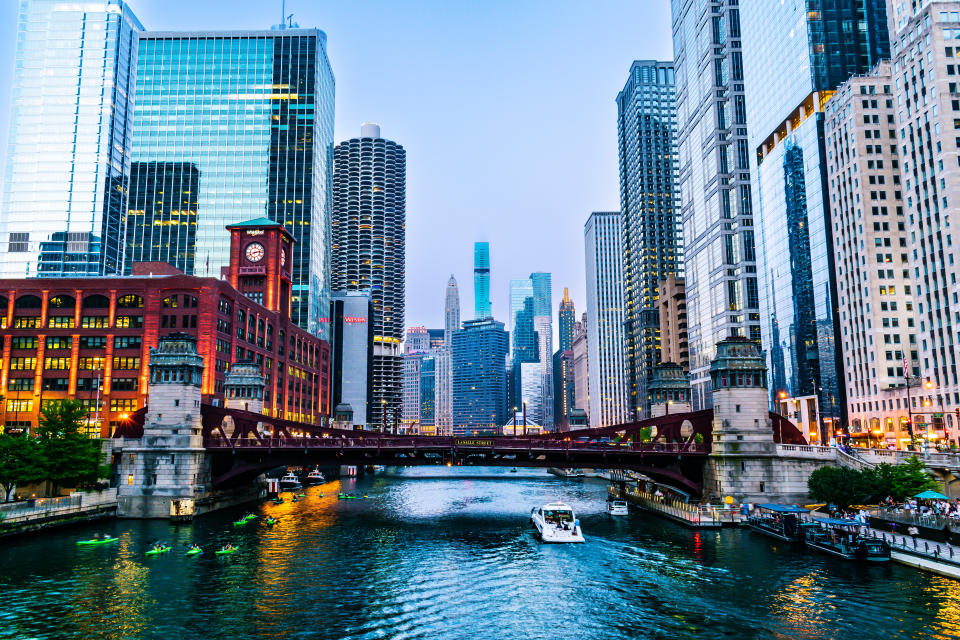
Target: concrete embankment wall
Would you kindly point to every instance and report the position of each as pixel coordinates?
(29, 516)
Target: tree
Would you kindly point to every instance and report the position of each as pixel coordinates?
(70, 458)
(645, 434)
(910, 478)
(837, 485)
(21, 462)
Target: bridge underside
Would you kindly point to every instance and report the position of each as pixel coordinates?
(683, 470)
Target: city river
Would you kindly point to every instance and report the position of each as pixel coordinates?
(449, 553)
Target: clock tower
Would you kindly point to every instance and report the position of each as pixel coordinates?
(260, 252)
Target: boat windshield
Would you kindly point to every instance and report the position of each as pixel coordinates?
(557, 516)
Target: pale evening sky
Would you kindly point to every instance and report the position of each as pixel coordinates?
(505, 108)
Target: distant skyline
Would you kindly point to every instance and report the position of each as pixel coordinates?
(507, 112)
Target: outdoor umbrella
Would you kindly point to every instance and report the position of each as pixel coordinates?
(931, 495)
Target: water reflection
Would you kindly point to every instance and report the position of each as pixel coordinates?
(450, 553)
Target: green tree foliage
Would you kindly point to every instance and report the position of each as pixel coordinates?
(70, 458)
(837, 485)
(645, 434)
(21, 462)
(900, 481)
(844, 487)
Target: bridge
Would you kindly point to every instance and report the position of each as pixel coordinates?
(670, 449)
(182, 449)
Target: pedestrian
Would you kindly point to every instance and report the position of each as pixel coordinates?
(913, 532)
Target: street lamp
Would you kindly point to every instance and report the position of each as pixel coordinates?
(383, 415)
(514, 421)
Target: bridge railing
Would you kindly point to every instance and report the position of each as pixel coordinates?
(499, 443)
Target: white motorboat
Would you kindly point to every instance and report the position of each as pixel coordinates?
(617, 508)
(556, 522)
(315, 477)
(290, 481)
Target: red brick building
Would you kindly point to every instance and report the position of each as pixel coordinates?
(90, 338)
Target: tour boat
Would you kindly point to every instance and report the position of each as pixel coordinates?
(315, 477)
(617, 507)
(556, 522)
(290, 481)
(840, 538)
(567, 473)
(780, 521)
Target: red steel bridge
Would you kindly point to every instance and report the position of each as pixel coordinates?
(243, 444)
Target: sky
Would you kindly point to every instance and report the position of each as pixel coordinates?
(506, 109)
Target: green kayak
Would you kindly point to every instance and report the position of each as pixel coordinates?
(277, 501)
(240, 523)
(194, 552)
(301, 495)
(271, 522)
(224, 552)
(87, 543)
(250, 517)
(156, 552)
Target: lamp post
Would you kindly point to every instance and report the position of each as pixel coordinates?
(524, 419)
(383, 415)
(514, 421)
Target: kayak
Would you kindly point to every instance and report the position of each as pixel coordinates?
(277, 501)
(83, 543)
(301, 495)
(240, 523)
(271, 522)
(194, 552)
(250, 517)
(321, 495)
(156, 552)
(223, 552)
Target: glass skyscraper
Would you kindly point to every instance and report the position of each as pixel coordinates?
(788, 80)
(479, 377)
(245, 118)
(567, 318)
(481, 281)
(719, 245)
(68, 154)
(652, 249)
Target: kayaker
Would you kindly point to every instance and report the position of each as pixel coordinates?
(194, 546)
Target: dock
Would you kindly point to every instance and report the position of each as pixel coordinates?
(935, 557)
(695, 516)
(43, 513)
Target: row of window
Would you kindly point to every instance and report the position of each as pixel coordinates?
(83, 364)
(116, 404)
(83, 384)
(86, 322)
(66, 342)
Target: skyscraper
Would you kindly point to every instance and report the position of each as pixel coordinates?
(566, 319)
(652, 249)
(162, 214)
(369, 249)
(451, 311)
(68, 153)
(417, 340)
(520, 290)
(428, 394)
(605, 352)
(481, 281)
(479, 385)
(564, 388)
(542, 296)
(877, 315)
(716, 209)
(788, 80)
(581, 366)
(245, 120)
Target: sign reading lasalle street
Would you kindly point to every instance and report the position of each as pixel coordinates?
(473, 443)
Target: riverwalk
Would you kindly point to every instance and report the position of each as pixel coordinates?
(42, 513)
(695, 516)
(937, 557)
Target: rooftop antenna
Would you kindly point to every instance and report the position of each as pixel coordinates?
(283, 12)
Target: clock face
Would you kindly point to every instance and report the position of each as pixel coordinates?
(283, 257)
(254, 252)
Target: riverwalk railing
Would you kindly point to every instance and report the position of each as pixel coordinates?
(13, 513)
(933, 551)
(700, 515)
(913, 517)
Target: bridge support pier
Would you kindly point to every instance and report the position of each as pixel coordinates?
(166, 472)
(744, 463)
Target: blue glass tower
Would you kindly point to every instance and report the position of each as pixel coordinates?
(787, 83)
(246, 119)
(68, 154)
(479, 377)
(481, 280)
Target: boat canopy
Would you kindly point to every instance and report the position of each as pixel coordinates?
(783, 508)
(836, 522)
